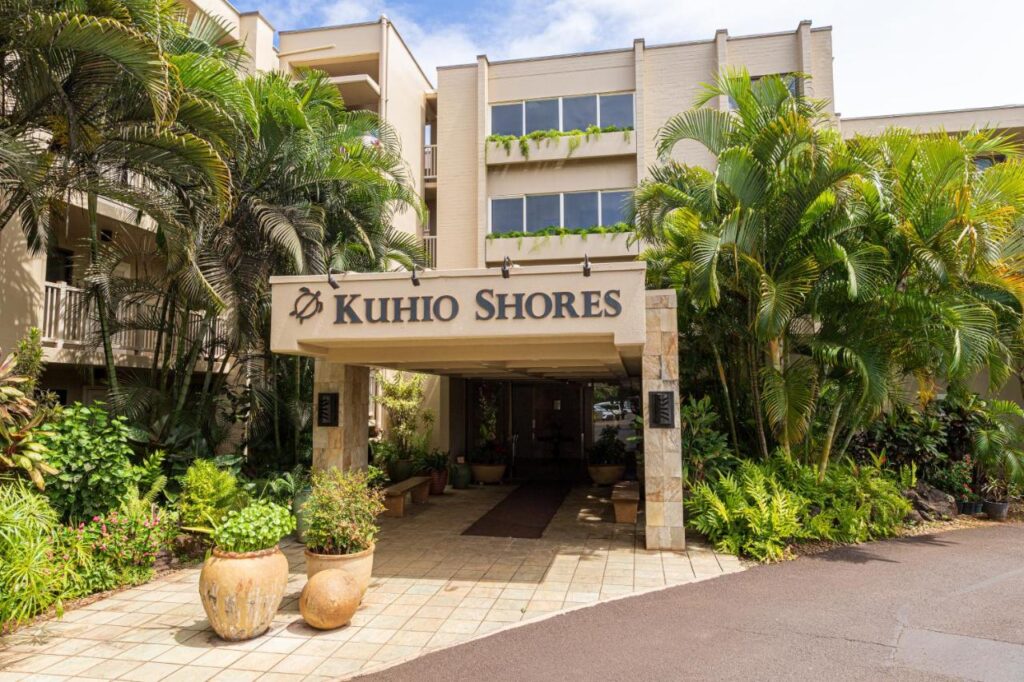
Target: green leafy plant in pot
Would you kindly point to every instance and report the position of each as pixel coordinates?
(435, 464)
(998, 451)
(244, 578)
(407, 425)
(489, 462)
(606, 458)
(341, 513)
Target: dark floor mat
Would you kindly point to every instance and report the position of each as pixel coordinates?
(525, 513)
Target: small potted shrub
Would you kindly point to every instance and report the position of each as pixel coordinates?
(244, 579)
(435, 464)
(461, 474)
(606, 459)
(488, 465)
(997, 499)
(398, 465)
(341, 513)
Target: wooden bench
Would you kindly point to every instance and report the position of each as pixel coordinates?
(626, 499)
(417, 487)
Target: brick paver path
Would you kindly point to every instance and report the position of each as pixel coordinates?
(432, 588)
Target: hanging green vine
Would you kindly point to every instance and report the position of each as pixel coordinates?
(576, 138)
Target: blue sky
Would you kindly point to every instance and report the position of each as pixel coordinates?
(890, 55)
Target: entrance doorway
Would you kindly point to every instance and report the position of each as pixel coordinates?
(541, 426)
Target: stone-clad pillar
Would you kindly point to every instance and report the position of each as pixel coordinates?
(342, 446)
(663, 466)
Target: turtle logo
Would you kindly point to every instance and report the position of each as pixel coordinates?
(307, 304)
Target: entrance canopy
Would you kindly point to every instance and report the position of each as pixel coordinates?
(545, 322)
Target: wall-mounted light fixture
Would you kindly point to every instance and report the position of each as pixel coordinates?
(506, 268)
(330, 279)
(415, 279)
(586, 265)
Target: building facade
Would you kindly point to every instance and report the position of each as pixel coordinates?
(547, 341)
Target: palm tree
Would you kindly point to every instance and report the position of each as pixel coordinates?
(800, 264)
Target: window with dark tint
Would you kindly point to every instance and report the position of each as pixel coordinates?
(617, 110)
(613, 207)
(507, 119)
(542, 210)
(579, 112)
(581, 209)
(542, 114)
(59, 266)
(507, 215)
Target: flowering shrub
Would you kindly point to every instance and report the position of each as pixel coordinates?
(956, 479)
(342, 512)
(259, 526)
(122, 549)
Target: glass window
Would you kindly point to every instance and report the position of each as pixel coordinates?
(507, 119)
(542, 210)
(581, 209)
(579, 112)
(617, 110)
(507, 215)
(541, 114)
(613, 207)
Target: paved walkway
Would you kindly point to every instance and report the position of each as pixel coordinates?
(432, 588)
(934, 607)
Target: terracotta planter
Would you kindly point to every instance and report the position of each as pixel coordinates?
(606, 474)
(488, 473)
(241, 592)
(438, 481)
(358, 565)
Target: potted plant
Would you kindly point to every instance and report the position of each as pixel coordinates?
(408, 423)
(997, 499)
(435, 464)
(489, 463)
(398, 465)
(342, 512)
(606, 458)
(244, 578)
(1000, 460)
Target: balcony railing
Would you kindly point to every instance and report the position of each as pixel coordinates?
(68, 321)
(430, 249)
(430, 162)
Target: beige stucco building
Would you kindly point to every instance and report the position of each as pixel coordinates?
(557, 330)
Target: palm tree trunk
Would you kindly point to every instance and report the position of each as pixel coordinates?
(728, 398)
(830, 435)
(102, 311)
(755, 390)
(188, 368)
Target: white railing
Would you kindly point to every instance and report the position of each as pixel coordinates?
(430, 249)
(430, 161)
(68, 321)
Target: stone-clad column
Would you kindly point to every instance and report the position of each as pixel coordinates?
(342, 446)
(663, 466)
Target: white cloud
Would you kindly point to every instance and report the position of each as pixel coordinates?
(909, 55)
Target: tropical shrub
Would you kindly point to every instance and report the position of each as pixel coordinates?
(955, 478)
(401, 396)
(906, 435)
(21, 446)
(208, 493)
(430, 460)
(342, 512)
(762, 508)
(31, 579)
(258, 526)
(607, 449)
(123, 548)
(91, 452)
(705, 449)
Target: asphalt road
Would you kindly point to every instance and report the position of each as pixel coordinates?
(935, 607)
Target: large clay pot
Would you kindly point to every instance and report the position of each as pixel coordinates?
(488, 473)
(438, 481)
(300, 516)
(329, 599)
(399, 470)
(359, 566)
(461, 476)
(241, 592)
(606, 474)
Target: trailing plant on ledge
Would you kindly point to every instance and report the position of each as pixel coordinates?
(576, 138)
(556, 231)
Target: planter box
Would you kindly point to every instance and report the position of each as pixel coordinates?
(565, 248)
(557, 149)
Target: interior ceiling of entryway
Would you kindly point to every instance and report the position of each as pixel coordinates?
(572, 358)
